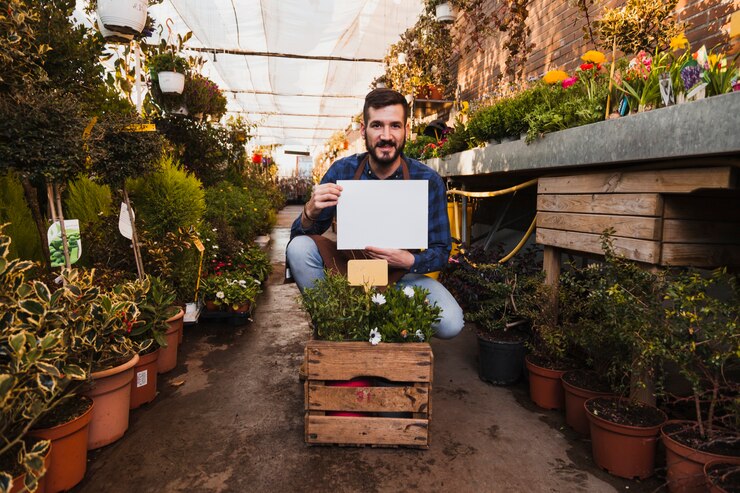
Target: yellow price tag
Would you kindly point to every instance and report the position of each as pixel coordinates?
(199, 245)
(141, 127)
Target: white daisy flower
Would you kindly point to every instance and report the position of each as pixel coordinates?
(375, 336)
(408, 291)
(419, 335)
(220, 295)
(378, 299)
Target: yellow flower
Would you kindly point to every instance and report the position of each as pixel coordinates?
(717, 61)
(679, 42)
(593, 56)
(555, 76)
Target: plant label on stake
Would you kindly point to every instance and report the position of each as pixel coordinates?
(56, 249)
(124, 223)
(666, 90)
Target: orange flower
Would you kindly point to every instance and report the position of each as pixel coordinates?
(555, 76)
(593, 56)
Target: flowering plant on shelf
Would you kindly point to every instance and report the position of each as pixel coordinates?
(232, 289)
(341, 312)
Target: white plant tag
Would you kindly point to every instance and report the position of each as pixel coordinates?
(141, 378)
(124, 223)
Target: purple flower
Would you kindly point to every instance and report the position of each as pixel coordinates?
(691, 76)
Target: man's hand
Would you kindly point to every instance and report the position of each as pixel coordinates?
(323, 196)
(396, 258)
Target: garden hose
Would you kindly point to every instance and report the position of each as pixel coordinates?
(521, 242)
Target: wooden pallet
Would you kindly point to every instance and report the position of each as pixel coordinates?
(407, 367)
(678, 217)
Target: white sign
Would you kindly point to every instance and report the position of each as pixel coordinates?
(383, 214)
(141, 378)
(124, 222)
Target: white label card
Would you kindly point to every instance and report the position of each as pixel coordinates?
(383, 214)
(142, 378)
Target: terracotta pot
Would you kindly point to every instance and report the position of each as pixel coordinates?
(575, 413)
(685, 465)
(168, 355)
(545, 388)
(68, 458)
(211, 306)
(111, 393)
(18, 481)
(719, 465)
(144, 383)
(241, 308)
(623, 450)
(358, 382)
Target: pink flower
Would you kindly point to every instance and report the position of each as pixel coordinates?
(569, 82)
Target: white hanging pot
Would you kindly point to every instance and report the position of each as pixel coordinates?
(402, 58)
(112, 36)
(380, 85)
(355, 125)
(444, 13)
(123, 16)
(171, 82)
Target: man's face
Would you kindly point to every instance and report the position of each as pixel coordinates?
(385, 133)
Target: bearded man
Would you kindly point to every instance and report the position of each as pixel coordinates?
(384, 129)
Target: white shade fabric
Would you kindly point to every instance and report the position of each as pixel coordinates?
(293, 101)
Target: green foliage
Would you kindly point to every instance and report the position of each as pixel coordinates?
(22, 229)
(155, 300)
(704, 318)
(166, 62)
(88, 201)
(36, 368)
(638, 25)
(128, 154)
(234, 212)
(41, 134)
(615, 310)
(342, 312)
(204, 149)
(168, 199)
(20, 51)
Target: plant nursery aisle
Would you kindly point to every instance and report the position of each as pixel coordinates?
(230, 418)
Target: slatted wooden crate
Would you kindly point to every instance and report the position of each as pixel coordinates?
(674, 217)
(407, 366)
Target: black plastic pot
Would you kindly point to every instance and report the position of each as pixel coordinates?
(500, 362)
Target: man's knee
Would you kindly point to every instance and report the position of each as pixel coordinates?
(451, 323)
(299, 250)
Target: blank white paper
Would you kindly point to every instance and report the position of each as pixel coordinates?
(383, 214)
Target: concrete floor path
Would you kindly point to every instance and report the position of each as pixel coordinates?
(229, 418)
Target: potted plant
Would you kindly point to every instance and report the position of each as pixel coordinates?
(34, 371)
(204, 98)
(444, 11)
(168, 70)
(549, 356)
(150, 334)
(624, 430)
(122, 17)
(704, 314)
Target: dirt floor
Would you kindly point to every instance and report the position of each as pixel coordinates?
(230, 418)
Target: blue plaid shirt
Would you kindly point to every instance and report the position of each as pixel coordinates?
(439, 242)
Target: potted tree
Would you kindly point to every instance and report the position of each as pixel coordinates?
(704, 313)
(624, 430)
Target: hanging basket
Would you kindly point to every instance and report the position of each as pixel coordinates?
(444, 13)
(127, 17)
(112, 36)
(171, 82)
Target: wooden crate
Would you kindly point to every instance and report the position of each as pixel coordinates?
(407, 366)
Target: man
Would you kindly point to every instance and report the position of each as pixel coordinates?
(384, 129)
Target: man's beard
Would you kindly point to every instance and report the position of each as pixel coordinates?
(378, 155)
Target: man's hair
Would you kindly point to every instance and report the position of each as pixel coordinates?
(382, 97)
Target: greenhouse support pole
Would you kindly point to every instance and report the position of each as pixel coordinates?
(134, 236)
(137, 75)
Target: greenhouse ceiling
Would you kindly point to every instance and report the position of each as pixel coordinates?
(298, 69)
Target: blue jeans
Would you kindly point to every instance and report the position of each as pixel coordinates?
(306, 266)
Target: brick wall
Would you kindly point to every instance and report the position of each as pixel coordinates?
(557, 35)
